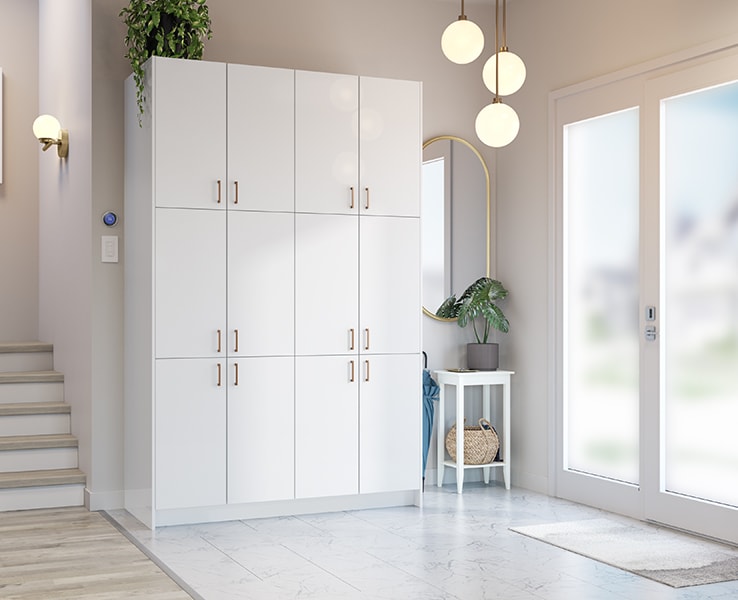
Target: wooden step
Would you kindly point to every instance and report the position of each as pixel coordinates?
(35, 442)
(26, 356)
(25, 479)
(38, 452)
(31, 386)
(34, 418)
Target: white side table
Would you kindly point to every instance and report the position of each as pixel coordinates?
(462, 379)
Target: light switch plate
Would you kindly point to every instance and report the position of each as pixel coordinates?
(110, 248)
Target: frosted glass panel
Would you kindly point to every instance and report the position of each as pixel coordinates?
(700, 271)
(601, 204)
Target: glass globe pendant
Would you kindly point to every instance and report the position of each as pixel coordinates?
(462, 41)
(497, 124)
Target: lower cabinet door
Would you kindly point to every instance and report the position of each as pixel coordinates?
(390, 417)
(190, 433)
(261, 429)
(327, 426)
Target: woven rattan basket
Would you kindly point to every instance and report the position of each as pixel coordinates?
(480, 443)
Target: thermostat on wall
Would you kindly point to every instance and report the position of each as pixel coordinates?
(110, 218)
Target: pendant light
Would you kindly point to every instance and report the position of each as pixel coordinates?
(504, 71)
(462, 41)
(497, 124)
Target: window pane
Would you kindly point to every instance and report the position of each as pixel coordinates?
(700, 270)
(601, 203)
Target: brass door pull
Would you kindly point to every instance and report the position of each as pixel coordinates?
(235, 382)
(366, 370)
(352, 197)
(219, 339)
(351, 379)
(235, 348)
(351, 345)
(218, 191)
(236, 200)
(219, 374)
(366, 206)
(366, 339)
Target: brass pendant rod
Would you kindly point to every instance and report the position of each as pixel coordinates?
(497, 53)
(462, 15)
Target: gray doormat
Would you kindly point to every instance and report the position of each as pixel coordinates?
(664, 555)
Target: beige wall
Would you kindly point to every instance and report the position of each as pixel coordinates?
(562, 42)
(19, 189)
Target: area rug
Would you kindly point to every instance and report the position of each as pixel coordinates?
(661, 554)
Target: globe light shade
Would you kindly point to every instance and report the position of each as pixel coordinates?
(497, 124)
(46, 127)
(462, 41)
(512, 73)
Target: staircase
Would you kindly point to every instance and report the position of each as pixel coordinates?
(38, 454)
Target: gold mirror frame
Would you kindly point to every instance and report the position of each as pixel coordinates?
(454, 138)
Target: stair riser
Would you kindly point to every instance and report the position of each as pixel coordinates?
(31, 392)
(26, 361)
(41, 497)
(14, 461)
(34, 424)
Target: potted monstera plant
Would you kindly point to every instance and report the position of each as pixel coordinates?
(478, 303)
(173, 28)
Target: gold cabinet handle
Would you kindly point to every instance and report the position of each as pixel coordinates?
(236, 200)
(235, 382)
(218, 191)
(366, 339)
(219, 339)
(219, 374)
(366, 206)
(351, 345)
(351, 379)
(235, 347)
(352, 197)
(366, 370)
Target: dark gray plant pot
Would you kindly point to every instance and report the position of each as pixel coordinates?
(483, 357)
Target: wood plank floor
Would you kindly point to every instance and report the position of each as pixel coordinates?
(73, 553)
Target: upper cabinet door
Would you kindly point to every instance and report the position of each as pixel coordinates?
(261, 284)
(326, 143)
(390, 306)
(261, 134)
(190, 290)
(391, 147)
(189, 133)
(326, 284)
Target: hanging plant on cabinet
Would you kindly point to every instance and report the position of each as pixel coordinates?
(172, 28)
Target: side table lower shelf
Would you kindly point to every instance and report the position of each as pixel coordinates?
(462, 379)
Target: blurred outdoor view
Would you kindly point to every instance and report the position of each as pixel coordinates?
(700, 288)
(601, 331)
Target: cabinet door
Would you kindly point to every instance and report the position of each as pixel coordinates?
(261, 138)
(326, 142)
(391, 146)
(190, 433)
(261, 429)
(390, 306)
(189, 133)
(261, 283)
(326, 426)
(326, 284)
(190, 275)
(390, 417)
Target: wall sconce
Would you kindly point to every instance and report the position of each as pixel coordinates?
(49, 132)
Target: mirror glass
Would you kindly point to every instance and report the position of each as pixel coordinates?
(456, 219)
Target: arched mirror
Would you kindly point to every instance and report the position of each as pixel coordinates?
(456, 219)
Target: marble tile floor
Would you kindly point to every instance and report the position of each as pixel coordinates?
(456, 547)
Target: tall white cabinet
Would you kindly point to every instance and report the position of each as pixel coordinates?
(272, 310)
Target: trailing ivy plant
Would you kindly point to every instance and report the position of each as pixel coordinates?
(173, 28)
(479, 300)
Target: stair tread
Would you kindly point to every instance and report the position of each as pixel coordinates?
(31, 377)
(41, 478)
(34, 408)
(17, 347)
(33, 442)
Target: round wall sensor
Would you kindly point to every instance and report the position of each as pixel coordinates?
(110, 218)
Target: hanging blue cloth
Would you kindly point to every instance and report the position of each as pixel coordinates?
(430, 393)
